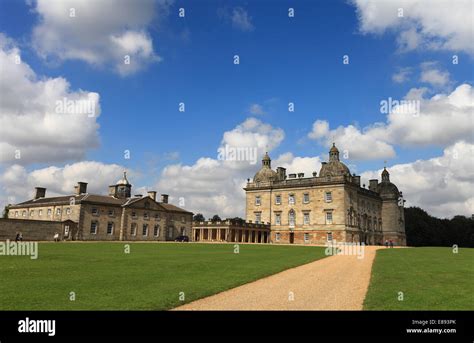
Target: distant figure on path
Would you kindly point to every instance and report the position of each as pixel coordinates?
(386, 243)
(56, 237)
(391, 244)
(17, 237)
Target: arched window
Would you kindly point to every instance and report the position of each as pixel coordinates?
(291, 218)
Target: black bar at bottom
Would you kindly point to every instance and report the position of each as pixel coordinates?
(243, 323)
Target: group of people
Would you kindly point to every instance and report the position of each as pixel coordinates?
(388, 242)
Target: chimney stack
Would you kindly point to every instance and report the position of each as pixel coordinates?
(40, 192)
(373, 185)
(81, 188)
(152, 194)
(281, 172)
(164, 198)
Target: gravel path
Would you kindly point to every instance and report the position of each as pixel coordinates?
(332, 283)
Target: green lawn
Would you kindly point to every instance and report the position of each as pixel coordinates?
(151, 277)
(430, 279)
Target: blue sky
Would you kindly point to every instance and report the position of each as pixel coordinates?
(282, 60)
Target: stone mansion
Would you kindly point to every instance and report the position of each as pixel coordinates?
(116, 216)
(325, 207)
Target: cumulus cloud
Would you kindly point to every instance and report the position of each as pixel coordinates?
(441, 120)
(444, 185)
(401, 75)
(213, 185)
(423, 24)
(433, 75)
(353, 143)
(100, 33)
(42, 119)
(17, 183)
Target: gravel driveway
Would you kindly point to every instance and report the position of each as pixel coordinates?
(332, 283)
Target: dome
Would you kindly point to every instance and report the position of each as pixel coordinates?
(124, 180)
(265, 174)
(334, 167)
(388, 190)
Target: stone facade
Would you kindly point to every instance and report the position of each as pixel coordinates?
(117, 216)
(34, 230)
(331, 206)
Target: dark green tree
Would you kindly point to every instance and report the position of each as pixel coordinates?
(216, 218)
(198, 217)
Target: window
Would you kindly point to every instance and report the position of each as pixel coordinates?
(58, 211)
(94, 227)
(156, 230)
(23, 214)
(183, 220)
(32, 213)
(157, 216)
(328, 196)
(183, 230)
(277, 219)
(146, 216)
(170, 232)
(49, 212)
(110, 228)
(16, 213)
(133, 229)
(306, 198)
(68, 210)
(278, 200)
(291, 199)
(111, 212)
(328, 217)
(291, 218)
(277, 236)
(40, 213)
(145, 230)
(258, 217)
(306, 218)
(306, 237)
(95, 211)
(134, 214)
(329, 236)
(257, 200)
(147, 205)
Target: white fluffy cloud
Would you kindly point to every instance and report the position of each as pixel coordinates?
(442, 120)
(17, 184)
(434, 76)
(33, 128)
(101, 33)
(401, 75)
(213, 185)
(443, 186)
(425, 24)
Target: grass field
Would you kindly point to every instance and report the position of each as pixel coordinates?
(430, 279)
(151, 277)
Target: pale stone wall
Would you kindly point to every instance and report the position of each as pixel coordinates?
(67, 212)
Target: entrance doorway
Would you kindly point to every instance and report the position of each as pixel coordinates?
(292, 237)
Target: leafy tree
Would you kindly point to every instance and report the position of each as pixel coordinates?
(198, 217)
(216, 218)
(425, 230)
